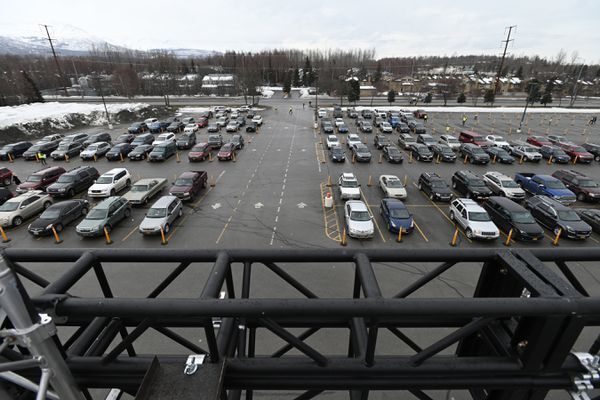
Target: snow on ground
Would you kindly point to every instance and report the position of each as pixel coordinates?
(192, 110)
(483, 110)
(60, 112)
(267, 94)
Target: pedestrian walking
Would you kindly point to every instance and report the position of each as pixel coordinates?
(291, 112)
(16, 180)
(594, 119)
(42, 158)
(303, 106)
(425, 118)
(464, 119)
(476, 117)
(447, 129)
(550, 121)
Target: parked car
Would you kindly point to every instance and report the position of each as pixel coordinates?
(119, 151)
(331, 141)
(367, 114)
(176, 127)
(215, 141)
(558, 155)
(45, 148)
(125, 138)
(189, 120)
(159, 127)
(558, 218)
(111, 182)
(503, 185)
(199, 152)
(396, 216)
(545, 185)
(41, 179)
(578, 153)
(450, 141)
(5, 195)
(348, 186)
(498, 141)
(140, 152)
(146, 138)
(352, 113)
(251, 127)
(65, 150)
(190, 128)
(189, 184)
(353, 139)
(6, 176)
(557, 139)
(381, 141)
(500, 155)
(405, 140)
(95, 151)
(237, 141)
(508, 215)
(421, 152)
(470, 185)
(590, 216)
(361, 153)
(73, 181)
(74, 138)
(426, 139)
(473, 138)
(342, 128)
(538, 141)
(434, 186)
(17, 209)
(58, 216)
(232, 126)
(186, 141)
(14, 149)
(526, 152)
(392, 186)
(97, 137)
(402, 127)
(55, 137)
(421, 114)
(202, 122)
(137, 127)
(366, 127)
(161, 216)
(417, 127)
(443, 152)
(473, 153)
(336, 154)
(227, 152)
(592, 148)
(258, 120)
(213, 127)
(222, 122)
(473, 219)
(327, 127)
(164, 138)
(584, 187)
(145, 189)
(358, 219)
(393, 155)
(162, 151)
(386, 127)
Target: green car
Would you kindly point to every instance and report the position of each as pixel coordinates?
(106, 214)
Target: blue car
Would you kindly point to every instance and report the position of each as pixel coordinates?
(396, 215)
(159, 126)
(138, 127)
(394, 121)
(342, 129)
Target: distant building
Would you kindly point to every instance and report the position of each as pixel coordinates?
(219, 84)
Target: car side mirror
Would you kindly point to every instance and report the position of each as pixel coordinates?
(542, 186)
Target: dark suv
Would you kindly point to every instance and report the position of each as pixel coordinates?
(41, 179)
(14, 149)
(508, 215)
(584, 187)
(470, 185)
(434, 186)
(73, 181)
(380, 141)
(97, 137)
(421, 152)
(443, 152)
(594, 149)
(558, 217)
(474, 153)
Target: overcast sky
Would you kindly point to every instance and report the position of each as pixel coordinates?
(392, 28)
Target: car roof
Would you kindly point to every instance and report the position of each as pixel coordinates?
(187, 174)
(470, 205)
(26, 195)
(348, 175)
(163, 201)
(357, 205)
(114, 171)
(507, 203)
(497, 174)
(394, 203)
(65, 203)
(549, 201)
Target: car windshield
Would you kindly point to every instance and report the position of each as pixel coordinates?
(509, 184)
(477, 183)
(555, 185)
(559, 152)
(336, 150)
(447, 150)
(63, 147)
(184, 182)
(394, 183)
(399, 213)
(105, 179)
(92, 147)
(477, 150)
(588, 183)
(568, 215)
(124, 137)
(349, 183)
(97, 214)
(65, 179)
(9, 206)
(529, 150)
(578, 149)
(157, 213)
(452, 140)
(438, 184)
(478, 216)
(393, 151)
(34, 178)
(500, 152)
(198, 148)
(429, 140)
(522, 217)
(50, 214)
(360, 216)
(139, 188)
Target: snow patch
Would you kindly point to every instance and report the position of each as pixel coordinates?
(483, 110)
(267, 94)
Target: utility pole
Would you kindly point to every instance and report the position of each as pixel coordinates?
(575, 87)
(533, 84)
(506, 42)
(60, 74)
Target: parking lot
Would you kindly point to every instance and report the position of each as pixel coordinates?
(272, 194)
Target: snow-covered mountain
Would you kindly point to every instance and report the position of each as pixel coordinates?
(68, 40)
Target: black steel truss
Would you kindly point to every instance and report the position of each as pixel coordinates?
(512, 339)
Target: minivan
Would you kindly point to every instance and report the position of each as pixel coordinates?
(162, 151)
(473, 137)
(510, 216)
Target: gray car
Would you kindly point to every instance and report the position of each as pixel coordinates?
(161, 215)
(108, 213)
(144, 189)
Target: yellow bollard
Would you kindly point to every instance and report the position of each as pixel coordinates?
(95, 158)
(56, 237)
(466, 159)
(329, 181)
(380, 158)
(10, 159)
(494, 159)
(107, 236)
(210, 157)
(37, 159)
(233, 157)
(405, 180)
(410, 158)
(399, 238)
(66, 157)
(343, 242)
(521, 160)
(212, 181)
(369, 184)
(5, 238)
(163, 240)
(437, 161)
(555, 241)
(509, 238)
(177, 156)
(510, 131)
(454, 237)
(353, 158)
(575, 160)
(121, 157)
(550, 159)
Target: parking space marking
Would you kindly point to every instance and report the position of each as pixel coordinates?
(330, 218)
(287, 167)
(320, 155)
(374, 220)
(420, 230)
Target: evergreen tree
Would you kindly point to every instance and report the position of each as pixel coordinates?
(428, 98)
(461, 98)
(519, 73)
(353, 90)
(489, 96)
(598, 73)
(270, 73)
(287, 83)
(296, 78)
(533, 91)
(33, 93)
(377, 76)
(391, 97)
(307, 73)
(546, 98)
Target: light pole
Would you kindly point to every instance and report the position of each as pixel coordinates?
(531, 86)
(104, 102)
(316, 103)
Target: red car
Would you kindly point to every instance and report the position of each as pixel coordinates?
(202, 122)
(199, 152)
(6, 176)
(227, 152)
(41, 179)
(539, 141)
(420, 114)
(582, 155)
